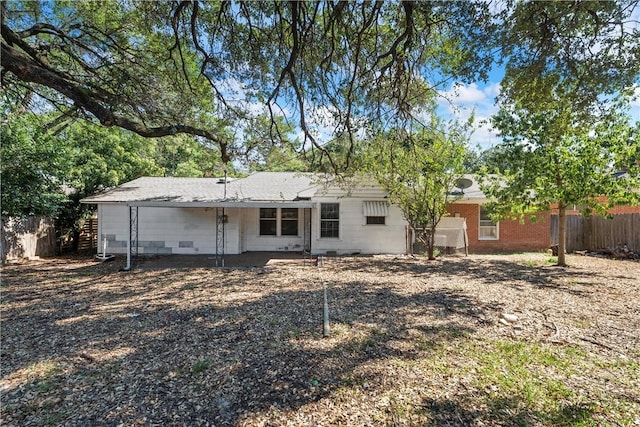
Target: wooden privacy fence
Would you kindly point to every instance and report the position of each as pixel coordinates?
(38, 236)
(86, 241)
(596, 232)
(28, 237)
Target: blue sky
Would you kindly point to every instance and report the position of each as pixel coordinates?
(480, 97)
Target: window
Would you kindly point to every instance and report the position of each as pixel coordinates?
(286, 217)
(329, 220)
(375, 220)
(488, 230)
(268, 221)
(375, 211)
(289, 222)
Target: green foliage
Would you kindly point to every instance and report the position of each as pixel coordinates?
(493, 158)
(548, 163)
(419, 170)
(201, 68)
(563, 110)
(47, 171)
(588, 50)
(269, 146)
(186, 156)
(32, 165)
(200, 366)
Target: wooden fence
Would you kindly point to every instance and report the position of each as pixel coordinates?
(28, 237)
(38, 236)
(88, 237)
(596, 232)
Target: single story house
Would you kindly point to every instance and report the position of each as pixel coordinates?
(286, 211)
(504, 236)
(265, 211)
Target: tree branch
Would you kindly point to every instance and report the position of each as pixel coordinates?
(26, 69)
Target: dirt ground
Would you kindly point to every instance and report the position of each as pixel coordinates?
(479, 340)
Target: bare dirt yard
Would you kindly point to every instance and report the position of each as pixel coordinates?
(479, 340)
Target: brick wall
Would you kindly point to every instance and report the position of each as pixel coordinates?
(513, 236)
(616, 210)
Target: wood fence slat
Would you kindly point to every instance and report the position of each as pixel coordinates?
(597, 232)
(28, 237)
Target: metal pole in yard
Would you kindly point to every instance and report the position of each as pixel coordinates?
(325, 326)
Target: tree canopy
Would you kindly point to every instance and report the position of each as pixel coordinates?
(419, 171)
(564, 109)
(162, 68)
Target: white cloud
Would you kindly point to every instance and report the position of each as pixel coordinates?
(483, 136)
(492, 90)
(460, 101)
(462, 94)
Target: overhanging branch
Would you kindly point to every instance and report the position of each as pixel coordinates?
(28, 70)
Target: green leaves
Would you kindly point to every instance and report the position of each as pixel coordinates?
(31, 165)
(419, 170)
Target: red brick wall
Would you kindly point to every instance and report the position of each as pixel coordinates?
(616, 210)
(513, 236)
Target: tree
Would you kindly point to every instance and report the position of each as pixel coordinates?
(187, 156)
(163, 68)
(492, 158)
(419, 170)
(32, 163)
(551, 164)
(571, 67)
(98, 158)
(270, 148)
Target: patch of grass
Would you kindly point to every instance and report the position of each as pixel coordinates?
(524, 382)
(519, 368)
(200, 366)
(45, 386)
(42, 370)
(294, 333)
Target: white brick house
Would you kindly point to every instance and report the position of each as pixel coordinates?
(266, 211)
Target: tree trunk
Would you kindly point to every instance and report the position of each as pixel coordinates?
(431, 243)
(562, 234)
(76, 239)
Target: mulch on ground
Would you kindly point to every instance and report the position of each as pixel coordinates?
(412, 343)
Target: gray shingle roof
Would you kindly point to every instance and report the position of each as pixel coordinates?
(266, 187)
(260, 186)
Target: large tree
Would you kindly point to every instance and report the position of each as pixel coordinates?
(549, 164)
(563, 107)
(161, 68)
(47, 170)
(419, 170)
(32, 165)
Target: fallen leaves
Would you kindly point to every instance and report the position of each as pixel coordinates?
(411, 343)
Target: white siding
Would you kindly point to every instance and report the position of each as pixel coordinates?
(192, 230)
(355, 235)
(168, 230)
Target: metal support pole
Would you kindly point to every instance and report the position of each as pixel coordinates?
(220, 237)
(132, 252)
(325, 325)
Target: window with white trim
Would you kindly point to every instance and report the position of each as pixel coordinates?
(487, 229)
(268, 221)
(278, 221)
(289, 221)
(376, 220)
(330, 220)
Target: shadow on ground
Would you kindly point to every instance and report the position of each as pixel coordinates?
(201, 346)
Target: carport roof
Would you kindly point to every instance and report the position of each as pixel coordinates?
(259, 189)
